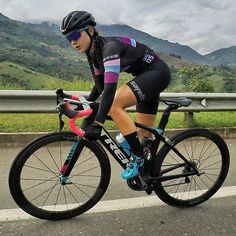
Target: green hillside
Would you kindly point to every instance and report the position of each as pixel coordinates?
(13, 76)
(44, 52)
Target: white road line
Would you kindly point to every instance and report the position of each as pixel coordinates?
(113, 205)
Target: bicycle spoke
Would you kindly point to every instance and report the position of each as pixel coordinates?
(85, 185)
(65, 197)
(200, 155)
(96, 176)
(205, 167)
(78, 174)
(44, 164)
(186, 150)
(57, 198)
(43, 193)
(200, 177)
(53, 159)
(60, 153)
(81, 190)
(209, 156)
(190, 186)
(212, 174)
(184, 190)
(177, 186)
(174, 157)
(48, 195)
(72, 195)
(197, 185)
(36, 168)
(206, 151)
(44, 181)
(84, 161)
(209, 178)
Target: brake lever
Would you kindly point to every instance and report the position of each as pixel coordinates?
(59, 93)
(61, 122)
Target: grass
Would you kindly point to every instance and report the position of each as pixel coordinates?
(49, 122)
(34, 79)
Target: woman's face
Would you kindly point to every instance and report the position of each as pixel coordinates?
(82, 43)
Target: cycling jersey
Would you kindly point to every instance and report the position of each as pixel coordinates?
(119, 54)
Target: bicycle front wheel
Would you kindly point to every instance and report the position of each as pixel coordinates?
(207, 152)
(34, 178)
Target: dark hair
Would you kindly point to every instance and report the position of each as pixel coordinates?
(97, 54)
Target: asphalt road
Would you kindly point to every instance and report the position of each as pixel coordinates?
(215, 217)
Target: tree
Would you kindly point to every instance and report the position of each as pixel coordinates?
(194, 79)
(229, 84)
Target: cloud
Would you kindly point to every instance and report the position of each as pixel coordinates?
(204, 25)
(221, 5)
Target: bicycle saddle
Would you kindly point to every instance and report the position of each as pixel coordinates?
(185, 102)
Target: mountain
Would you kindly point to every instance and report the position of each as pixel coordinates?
(159, 45)
(3, 18)
(223, 56)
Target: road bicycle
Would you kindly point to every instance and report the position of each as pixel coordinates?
(62, 175)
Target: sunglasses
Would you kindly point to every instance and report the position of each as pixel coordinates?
(75, 35)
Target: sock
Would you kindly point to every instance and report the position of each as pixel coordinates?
(134, 143)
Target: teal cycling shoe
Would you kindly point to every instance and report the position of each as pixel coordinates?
(132, 168)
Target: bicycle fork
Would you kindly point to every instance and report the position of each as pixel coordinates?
(70, 161)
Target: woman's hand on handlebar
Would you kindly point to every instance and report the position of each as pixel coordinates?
(93, 131)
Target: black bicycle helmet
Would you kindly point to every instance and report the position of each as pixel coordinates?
(76, 20)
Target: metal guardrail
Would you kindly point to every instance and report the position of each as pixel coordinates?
(34, 101)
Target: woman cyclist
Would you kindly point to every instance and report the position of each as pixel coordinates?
(107, 57)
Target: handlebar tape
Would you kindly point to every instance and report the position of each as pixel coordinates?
(64, 107)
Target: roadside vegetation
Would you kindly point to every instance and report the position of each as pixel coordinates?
(11, 123)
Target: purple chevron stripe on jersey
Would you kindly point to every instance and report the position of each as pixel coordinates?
(129, 41)
(110, 77)
(125, 40)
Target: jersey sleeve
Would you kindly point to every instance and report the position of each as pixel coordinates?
(111, 61)
(98, 83)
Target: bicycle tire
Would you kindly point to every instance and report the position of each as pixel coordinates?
(181, 193)
(27, 187)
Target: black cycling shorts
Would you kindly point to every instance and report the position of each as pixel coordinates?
(148, 86)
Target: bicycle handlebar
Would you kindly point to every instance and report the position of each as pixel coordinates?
(60, 94)
(64, 108)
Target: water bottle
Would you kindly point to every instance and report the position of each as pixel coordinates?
(123, 143)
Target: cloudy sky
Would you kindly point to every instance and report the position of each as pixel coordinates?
(204, 25)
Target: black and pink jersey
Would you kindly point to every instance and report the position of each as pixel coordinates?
(120, 54)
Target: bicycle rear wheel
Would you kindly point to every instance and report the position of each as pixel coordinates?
(208, 152)
(34, 178)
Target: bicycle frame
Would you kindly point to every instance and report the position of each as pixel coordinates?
(122, 158)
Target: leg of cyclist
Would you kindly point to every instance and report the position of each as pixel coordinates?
(143, 90)
(146, 114)
(125, 98)
(146, 119)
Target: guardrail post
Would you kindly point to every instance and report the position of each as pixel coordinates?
(189, 119)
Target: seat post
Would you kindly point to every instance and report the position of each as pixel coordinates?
(165, 116)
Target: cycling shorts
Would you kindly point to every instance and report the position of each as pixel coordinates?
(148, 85)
